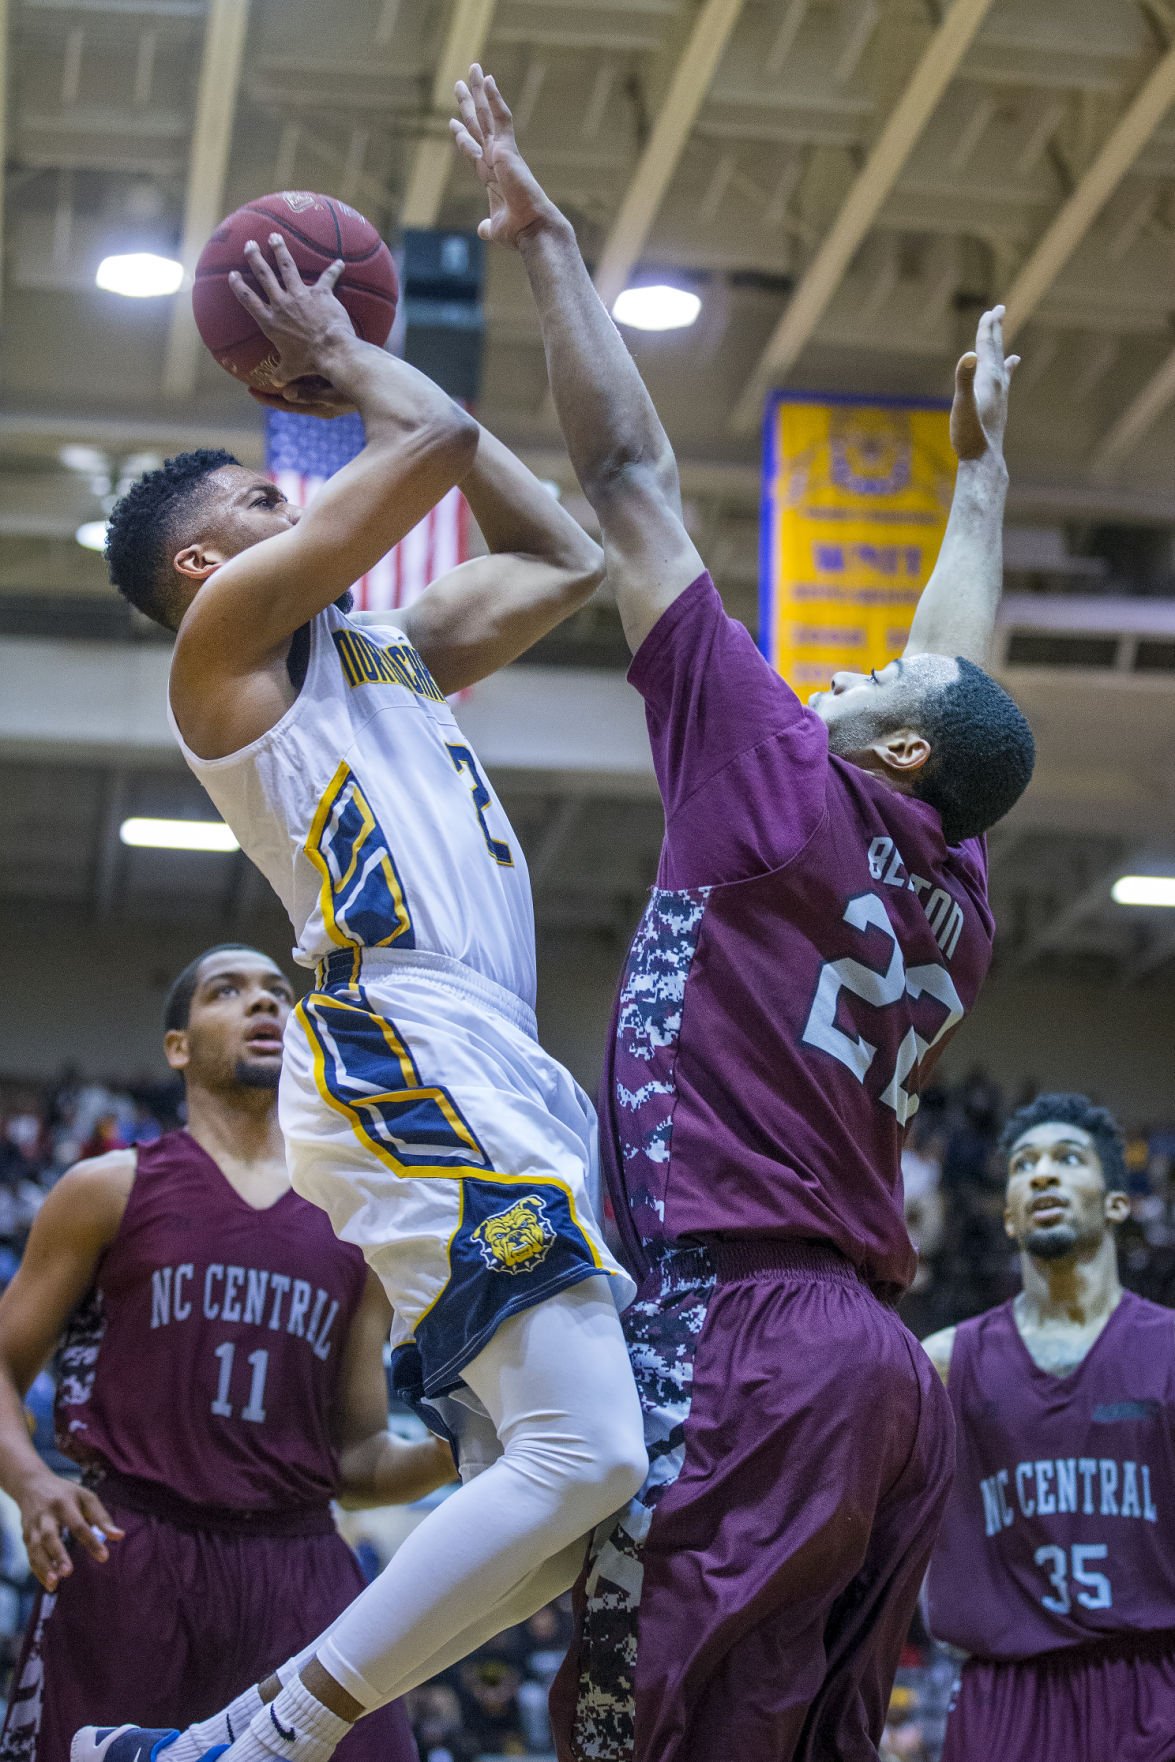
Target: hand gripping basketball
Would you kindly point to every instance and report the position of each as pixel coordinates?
(301, 320)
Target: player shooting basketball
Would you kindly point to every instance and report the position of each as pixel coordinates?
(819, 927)
(1054, 1570)
(417, 1106)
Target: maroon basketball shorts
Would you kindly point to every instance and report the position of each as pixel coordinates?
(1109, 1702)
(176, 1624)
(752, 1601)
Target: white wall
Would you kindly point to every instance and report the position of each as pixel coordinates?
(73, 990)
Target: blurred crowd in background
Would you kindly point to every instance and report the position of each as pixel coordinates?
(494, 1703)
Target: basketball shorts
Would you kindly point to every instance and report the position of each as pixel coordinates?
(1109, 1702)
(754, 1598)
(176, 1624)
(421, 1113)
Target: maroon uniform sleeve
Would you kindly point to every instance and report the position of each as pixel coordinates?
(742, 765)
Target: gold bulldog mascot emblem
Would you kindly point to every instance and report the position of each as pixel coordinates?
(517, 1239)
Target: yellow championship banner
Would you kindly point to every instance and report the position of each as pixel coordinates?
(855, 502)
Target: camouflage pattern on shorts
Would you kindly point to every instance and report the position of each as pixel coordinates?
(662, 1329)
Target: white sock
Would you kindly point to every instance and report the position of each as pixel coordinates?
(231, 1723)
(295, 1727)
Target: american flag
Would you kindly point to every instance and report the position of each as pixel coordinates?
(301, 452)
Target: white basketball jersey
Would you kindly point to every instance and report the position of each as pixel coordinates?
(369, 815)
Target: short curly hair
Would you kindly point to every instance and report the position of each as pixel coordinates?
(142, 532)
(982, 753)
(1069, 1109)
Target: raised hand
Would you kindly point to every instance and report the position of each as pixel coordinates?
(300, 318)
(485, 136)
(979, 414)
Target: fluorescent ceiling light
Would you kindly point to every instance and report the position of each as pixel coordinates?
(1144, 890)
(178, 834)
(140, 275)
(91, 535)
(656, 308)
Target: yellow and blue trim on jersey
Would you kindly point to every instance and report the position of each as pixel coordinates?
(516, 1238)
(361, 893)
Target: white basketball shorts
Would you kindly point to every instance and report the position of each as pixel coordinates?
(422, 1115)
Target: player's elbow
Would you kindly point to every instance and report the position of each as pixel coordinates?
(453, 436)
(631, 475)
(581, 570)
(444, 437)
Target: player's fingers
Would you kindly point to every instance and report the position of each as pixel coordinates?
(91, 1539)
(45, 1570)
(96, 1513)
(287, 268)
(330, 275)
(252, 302)
(48, 1555)
(263, 275)
(965, 371)
(1011, 364)
(499, 109)
(464, 141)
(485, 116)
(468, 109)
(485, 230)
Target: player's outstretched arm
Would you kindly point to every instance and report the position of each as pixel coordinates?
(617, 444)
(71, 1232)
(957, 612)
(374, 1467)
(419, 444)
(542, 566)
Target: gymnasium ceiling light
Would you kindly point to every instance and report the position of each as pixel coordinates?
(1144, 890)
(657, 308)
(91, 535)
(140, 275)
(178, 834)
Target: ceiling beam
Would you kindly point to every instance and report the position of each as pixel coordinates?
(1059, 925)
(4, 38)
(691, 81)
(887, 159)
(465, 40)
(1109, 166)
(1136, 420)
(1159, 949)
(212, 133)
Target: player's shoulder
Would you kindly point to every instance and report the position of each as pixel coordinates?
(91, 1196)
(942, 1348)
(939, 1348)
(1146, 1313)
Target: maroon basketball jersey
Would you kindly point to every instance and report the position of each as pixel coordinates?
(1059, 1527)
(206, 1359)
(810, 945)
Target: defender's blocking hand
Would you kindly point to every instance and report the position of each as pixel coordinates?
(979, 414)
(485, 136)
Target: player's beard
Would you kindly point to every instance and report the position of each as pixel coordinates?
(257, 1076)
(852, 735)
(1056, 1243)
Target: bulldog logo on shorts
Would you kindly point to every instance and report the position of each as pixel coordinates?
(517, 1239)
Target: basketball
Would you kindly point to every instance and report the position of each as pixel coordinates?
(317, 229)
